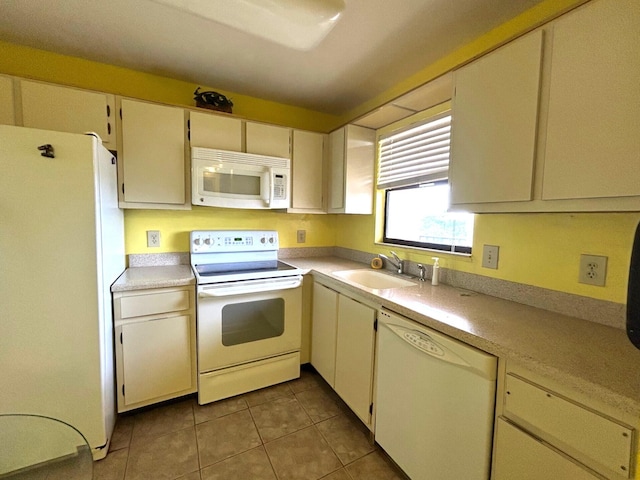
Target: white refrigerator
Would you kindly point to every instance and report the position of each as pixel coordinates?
(61, 248)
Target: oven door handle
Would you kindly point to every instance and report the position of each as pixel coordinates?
(250, 286)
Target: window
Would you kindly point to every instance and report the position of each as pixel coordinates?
(413, 171)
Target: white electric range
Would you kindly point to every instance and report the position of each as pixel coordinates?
(249, 312)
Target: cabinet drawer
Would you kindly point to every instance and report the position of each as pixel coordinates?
(521, 456)
(150, 304)
(582, 433)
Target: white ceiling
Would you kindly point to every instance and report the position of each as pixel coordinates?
(375, 45)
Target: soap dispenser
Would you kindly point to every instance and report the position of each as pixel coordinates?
(436, 271)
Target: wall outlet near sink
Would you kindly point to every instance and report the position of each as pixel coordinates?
(302, 236)
(593, 270)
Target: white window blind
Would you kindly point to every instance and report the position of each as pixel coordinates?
(416, 155)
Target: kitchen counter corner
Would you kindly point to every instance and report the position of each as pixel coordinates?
(141, 278)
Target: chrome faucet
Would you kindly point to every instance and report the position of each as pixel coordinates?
(421, 270)
(398, 264)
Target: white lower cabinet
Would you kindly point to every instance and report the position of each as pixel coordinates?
(342, 347)
(354, 355)
(324, 327)
(155, 345)
(545, 430)
(523, 457)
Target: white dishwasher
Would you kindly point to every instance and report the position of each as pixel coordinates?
(435, 402)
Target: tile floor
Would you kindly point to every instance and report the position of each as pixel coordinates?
(295, 430)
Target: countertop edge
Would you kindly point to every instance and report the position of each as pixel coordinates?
(150, 277)
(628, 405)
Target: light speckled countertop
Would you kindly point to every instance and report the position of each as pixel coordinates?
(140, 278)
(594, 359)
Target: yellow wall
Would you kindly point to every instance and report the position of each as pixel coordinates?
(174, 226)
(543, 12)
(536, 249)
(65, 70)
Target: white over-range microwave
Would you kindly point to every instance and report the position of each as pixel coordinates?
(221, 178)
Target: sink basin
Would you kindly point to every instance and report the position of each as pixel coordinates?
(373, 279)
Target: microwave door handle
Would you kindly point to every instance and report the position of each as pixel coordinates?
(267, 193)
(270, 186)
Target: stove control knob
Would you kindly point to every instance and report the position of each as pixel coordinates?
(270, 239)
(196, 241)
(207, 241)
(263, 240)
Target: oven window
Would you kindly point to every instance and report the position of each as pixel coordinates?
(252, 321)
(217, 182)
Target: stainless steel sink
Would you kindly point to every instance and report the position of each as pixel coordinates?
(373, 279)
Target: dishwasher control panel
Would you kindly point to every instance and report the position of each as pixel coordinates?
(423, 342)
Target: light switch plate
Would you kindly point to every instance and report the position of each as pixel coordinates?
(490, 256)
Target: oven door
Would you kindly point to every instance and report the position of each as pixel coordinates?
(240, 322)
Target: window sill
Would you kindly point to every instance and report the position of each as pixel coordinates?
(425, 250)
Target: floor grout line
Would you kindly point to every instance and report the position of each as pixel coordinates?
(316, 402)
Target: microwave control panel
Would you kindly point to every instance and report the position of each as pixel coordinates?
(279, 187)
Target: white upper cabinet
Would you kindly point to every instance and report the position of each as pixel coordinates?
(152, 169)
(593, 141)
(215, 131)
(7, 115)
(352, 156)
(271, 140)
(582, 152)
(222, 132)
(495, 113)
(307, 172)
(64, 109)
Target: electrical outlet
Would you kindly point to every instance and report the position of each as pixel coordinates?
(490, 256)
(153, 238)
(593, 270)
(302, 236)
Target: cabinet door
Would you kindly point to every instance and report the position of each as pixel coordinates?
(51, 107)
(215, 131)
(523, 457)
(268, 140)
(354, 355)
(592, 145)
(7, 116)
(352, 156)
(336, 166)
(307, 171)
(359, 165)
(323, 331)
(494, 124)
(153, 153)
(156, 358)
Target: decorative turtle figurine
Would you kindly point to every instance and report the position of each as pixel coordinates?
(213, 101)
